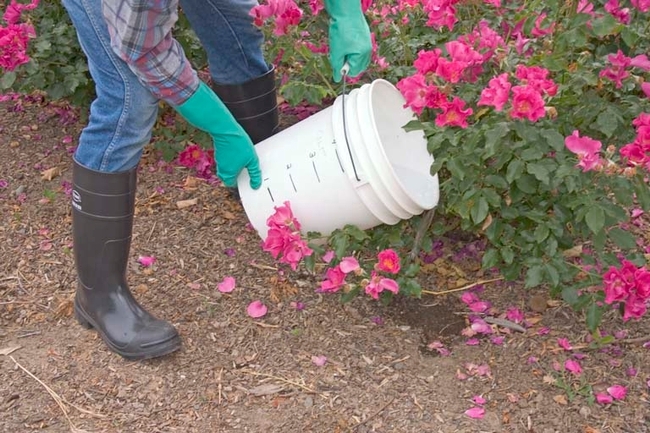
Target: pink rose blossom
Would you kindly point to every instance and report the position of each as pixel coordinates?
(586, 148)
(427, 61)
(388, 261)
(349, 264)
(378, 284)
(335, 279)
(527, 103)
(497, 92)
(641, 5)
(454, 114)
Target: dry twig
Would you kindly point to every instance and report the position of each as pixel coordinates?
(60, 401)
(460, 289)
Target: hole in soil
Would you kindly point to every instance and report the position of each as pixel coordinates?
(434, 317)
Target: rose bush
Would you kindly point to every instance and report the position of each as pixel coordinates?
(537, 115)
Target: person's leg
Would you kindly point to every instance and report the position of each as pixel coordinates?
(241, 77)
(103, 197)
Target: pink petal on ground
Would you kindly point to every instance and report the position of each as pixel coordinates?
(256, 309)
(475, 412)
(573, 366)
(328, 256)
(497, 341)
(544, 330)
(602, 398)
(298, 305)
(473, 342)
(618, 392)
(146, 261)
(564, 343)
(319, 360)
(479, 306)
(227, 285)
(478, 399)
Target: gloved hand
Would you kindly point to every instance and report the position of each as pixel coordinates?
(233, 148)
(349, 37)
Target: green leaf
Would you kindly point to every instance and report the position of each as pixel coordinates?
(534, 276)
(594, 316)
(479, 210)
(340, 243)
(456, 168)
(507, 254)
(412, 270)
(347, 297)
(553, 274)
(607, 122)
(595, 219)
(642, 194)
(493, 136)
(515, 169)
(570, 295)
(554, 139)
(539, 171)
(496, 181)
(541, 233)
(527, 184)
(356, 232)
(622, 238)
(605, 26)
(532, 154)
(436, 166)
(490, 258)
(8, 79)
(413, 125)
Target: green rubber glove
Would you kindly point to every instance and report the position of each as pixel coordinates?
(233, 148)
(349, 37)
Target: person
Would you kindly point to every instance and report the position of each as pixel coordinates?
(135, 63)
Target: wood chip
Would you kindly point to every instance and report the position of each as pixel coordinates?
(182, 204)
(560, 399)
(50, 173)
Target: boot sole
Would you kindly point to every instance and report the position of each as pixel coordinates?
(155, 351)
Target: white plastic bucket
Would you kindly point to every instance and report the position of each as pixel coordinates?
(382, 177)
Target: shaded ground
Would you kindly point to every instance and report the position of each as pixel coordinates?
(235, 374)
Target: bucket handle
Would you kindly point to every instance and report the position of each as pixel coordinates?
(344, 73)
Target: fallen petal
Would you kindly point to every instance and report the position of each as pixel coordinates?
(475, 412)
(618, 392)
(564, 343)
(256, 309)
(227, 285)
(602, 398)
(478, 399)
(319, 360)
(573, 366)
(146, 261)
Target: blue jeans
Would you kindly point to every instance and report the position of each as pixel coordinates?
(124, 112)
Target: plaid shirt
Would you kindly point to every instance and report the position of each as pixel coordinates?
(141, 35)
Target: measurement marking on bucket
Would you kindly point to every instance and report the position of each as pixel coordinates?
(338, 158)
(313, 163)
(271, 195)
(292, 183)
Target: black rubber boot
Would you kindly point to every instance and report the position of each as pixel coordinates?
(102, 221)
(254, 104)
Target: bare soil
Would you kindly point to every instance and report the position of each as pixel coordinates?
(237, 374)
